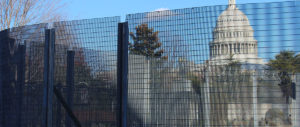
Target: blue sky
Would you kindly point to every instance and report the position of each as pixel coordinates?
(275, 28)
(274, 32)
(86, 9)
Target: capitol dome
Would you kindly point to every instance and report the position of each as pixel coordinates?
(233, 19)
(233, 36)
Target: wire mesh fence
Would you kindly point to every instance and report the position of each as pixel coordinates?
(93, 93)
(21, 83)
(219, 66)
(231, 65)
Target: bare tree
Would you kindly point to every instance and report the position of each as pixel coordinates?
(14, 13)
(17, 16)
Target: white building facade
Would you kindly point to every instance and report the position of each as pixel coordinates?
(233, 37)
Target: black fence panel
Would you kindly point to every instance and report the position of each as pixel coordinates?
(231, 65)
(91, 91)
(22, 76)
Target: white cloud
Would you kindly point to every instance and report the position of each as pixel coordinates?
(158, 14)
(161, 9)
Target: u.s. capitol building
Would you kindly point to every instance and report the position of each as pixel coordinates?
(233, 37)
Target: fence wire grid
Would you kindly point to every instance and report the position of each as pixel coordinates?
(227, 65)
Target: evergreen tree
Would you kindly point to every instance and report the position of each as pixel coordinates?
(286, 63)
(146, 42)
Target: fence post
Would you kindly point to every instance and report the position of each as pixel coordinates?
(1, 79)
(207, 97)
(20, 82)
(296, 121)
(49, 52)
(6, 78)
(122, 72)
(46, 61)
(70, 84)
(58, 107)
(254, 98)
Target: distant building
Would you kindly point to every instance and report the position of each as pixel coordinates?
(154, 94)
(233, 37)
(233, 40)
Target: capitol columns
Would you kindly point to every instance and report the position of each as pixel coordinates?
(217, 49)
(240, 46)
(228, 49)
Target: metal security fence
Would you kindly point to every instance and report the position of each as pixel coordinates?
(92, 91)
(215, 66)
(21, 85)
(231, 65)
(72, 83)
